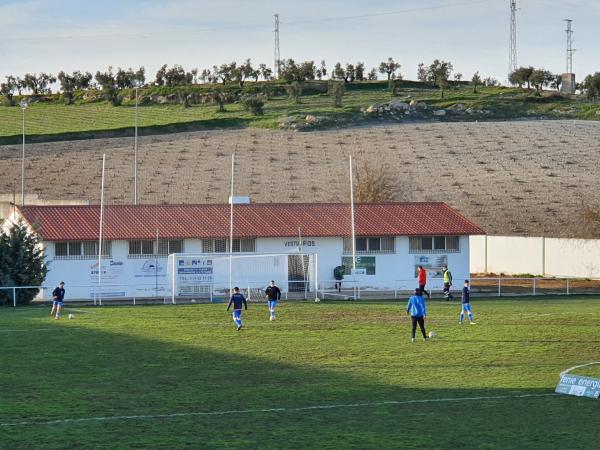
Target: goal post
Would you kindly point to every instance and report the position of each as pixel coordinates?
(208, 275)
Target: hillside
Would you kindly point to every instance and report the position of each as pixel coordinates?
(47, 118)
(517, 178)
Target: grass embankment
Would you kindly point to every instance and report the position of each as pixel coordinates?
(327, 375)
(53, 120)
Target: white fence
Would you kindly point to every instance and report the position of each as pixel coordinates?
(547, 257)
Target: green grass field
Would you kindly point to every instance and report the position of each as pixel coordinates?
(323, 375)
(57, 121)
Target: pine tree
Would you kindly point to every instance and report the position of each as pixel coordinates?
(22, 263)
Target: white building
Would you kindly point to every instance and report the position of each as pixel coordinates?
(391, 240)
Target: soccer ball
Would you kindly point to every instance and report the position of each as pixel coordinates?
(71, 316)
(317, 300)
(432, 334)
(193, 300)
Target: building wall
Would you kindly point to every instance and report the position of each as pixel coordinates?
(535, 255)
(123, 276)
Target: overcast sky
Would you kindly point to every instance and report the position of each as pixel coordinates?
(42, 35)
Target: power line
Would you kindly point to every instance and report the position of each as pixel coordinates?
(386, 13)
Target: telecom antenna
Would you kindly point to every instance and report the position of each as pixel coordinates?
(570, 49)
(277, 56)
(512, 56)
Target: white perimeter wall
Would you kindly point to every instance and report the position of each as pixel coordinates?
(535, 255)
(129, 277)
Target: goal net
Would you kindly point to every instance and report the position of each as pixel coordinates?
(211, 276)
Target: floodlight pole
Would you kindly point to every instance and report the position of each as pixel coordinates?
(231, 220)
(23, 108)
(101, 231)
(135, 150)
(352, 212)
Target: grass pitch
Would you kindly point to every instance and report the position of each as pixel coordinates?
(326, 375)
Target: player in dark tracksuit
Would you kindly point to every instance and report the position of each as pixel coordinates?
(237, 300)
(58, 295)
(466, 304)
(273, 294)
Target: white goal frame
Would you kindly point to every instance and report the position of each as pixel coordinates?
(200, 269)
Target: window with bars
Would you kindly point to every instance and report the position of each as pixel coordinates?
(222, 245)
(148, 247)
(434, 244)
(367, 245)
(81, 249)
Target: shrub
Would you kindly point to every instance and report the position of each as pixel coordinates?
(254, 104)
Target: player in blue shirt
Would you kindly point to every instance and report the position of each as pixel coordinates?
(417, 309)
(466, 305)
(237, 300)
(58, 295)
(273, 294)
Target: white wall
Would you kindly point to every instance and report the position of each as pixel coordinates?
(536, 255)
(128, 277)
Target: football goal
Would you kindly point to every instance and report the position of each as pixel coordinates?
(213, 275)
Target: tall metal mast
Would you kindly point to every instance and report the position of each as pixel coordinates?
(512, 56)
(570, 50)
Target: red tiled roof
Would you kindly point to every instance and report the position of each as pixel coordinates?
(123, 222)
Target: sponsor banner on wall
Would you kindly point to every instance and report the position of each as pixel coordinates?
(433, 264)
(362, 262)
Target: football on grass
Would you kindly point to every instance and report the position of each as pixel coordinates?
(432, 334)
(71, 316)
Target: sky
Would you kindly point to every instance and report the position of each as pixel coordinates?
(49, 36)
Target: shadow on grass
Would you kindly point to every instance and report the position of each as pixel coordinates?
(251, 401)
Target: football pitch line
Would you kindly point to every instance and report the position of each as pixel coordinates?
(269, 410)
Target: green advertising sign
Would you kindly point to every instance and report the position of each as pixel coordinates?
(362, 262)
(579, 386)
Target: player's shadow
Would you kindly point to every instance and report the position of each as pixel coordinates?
(83, 372)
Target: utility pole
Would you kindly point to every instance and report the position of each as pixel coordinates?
(512, 56)
(570, 50)
(277, 56)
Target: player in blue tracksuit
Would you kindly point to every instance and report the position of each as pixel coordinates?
(417, 309)
(273, 294)
(237, 300)
(466, 305)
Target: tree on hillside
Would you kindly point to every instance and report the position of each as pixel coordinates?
(205, 75)
(289, 71)
(372, 76)
(422, 73)
(437, 73)
(458, 77)
(294, 90)
(476, 81)
(265, 72)
(591, 86)
(491, 82)
(338, 72)
(321, 72)
(541, 78)
(521, 76)
(38, 84)
(108, 83)
(22, 263)
(389, 67)
(130, 78)
(359, 71)
(8, 88)
(556, 81)
(175, 76)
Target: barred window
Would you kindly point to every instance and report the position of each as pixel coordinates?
(147, 247)
(434, 244)
(365, 245)
(221, 245)
(81, 249)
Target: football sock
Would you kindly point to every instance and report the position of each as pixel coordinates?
(462, 317)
